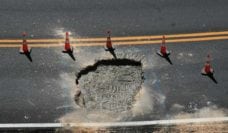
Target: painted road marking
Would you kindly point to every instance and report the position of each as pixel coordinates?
(120, 38)
(122, 43)
(134, 40)
(117, 124)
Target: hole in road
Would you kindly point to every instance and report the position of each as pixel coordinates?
(109, 85)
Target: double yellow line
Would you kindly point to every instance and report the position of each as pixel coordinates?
(131, 40)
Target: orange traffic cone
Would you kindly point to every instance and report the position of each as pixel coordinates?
(67, 42)
(24, 48)
(207, 69)
(109, 42)
(67, 47)
(163, 48)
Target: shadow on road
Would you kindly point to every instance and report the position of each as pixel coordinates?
(166, 57)
(70, 53)
(211, 76)
(112, 52)
(28, 55)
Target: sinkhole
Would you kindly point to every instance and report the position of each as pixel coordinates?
(109, 85)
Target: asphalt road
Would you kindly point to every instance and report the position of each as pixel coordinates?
(89, 18)
(41, 91)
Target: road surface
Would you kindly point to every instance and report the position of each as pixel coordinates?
(41, 91)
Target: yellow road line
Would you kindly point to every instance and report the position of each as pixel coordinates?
(9, 46)
(158, 41)
(127, 43)
(119, 38)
